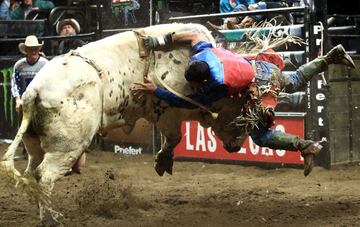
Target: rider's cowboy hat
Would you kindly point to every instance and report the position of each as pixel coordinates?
(72, 22)
(30, 41)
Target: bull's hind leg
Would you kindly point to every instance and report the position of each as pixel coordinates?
(52, 168)
(36, 154)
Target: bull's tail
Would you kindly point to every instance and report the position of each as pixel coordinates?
(7, 166)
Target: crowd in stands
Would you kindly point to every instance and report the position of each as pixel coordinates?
(228, 6)
(18, 10)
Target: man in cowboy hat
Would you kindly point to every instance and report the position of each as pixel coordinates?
(26, 68)
(68, 27)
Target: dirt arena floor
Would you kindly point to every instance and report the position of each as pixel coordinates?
(116, 190)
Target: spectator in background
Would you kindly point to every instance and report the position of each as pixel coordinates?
(128, 10)
(4, 9)
(68, 27)
(26, 6)
(44, 4)
(228, 6)
(25, 70)
(231, 21)
(248, 21)
(22, 10)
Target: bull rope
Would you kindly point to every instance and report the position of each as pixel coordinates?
(162, 83)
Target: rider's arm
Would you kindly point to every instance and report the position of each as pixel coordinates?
(155, 43)
(188, 37)
(200, 97)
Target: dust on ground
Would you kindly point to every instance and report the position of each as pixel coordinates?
(117, 190)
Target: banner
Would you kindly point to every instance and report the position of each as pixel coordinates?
(8, 115)
(199, 142)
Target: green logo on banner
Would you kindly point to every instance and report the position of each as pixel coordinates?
(8, 99)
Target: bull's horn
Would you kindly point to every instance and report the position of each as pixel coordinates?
(214, 115)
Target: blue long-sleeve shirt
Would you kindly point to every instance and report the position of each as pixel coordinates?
(5, 10)
(211, 91)
(204, 98)
(226, 6)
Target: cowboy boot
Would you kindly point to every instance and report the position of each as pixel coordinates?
(336, 55)
(308, 148)
(164, 161)
(308, 154)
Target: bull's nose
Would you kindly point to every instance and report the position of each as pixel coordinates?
(232, 149)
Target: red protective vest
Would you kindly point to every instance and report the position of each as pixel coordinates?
(238, 73)
(273, 58)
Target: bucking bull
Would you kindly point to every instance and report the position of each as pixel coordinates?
(80, 93)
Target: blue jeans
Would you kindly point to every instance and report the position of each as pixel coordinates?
(262, 135)
(289, 83)
(4, 10)
(226, 7)
(129, 10)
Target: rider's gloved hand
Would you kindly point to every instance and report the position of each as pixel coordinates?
(269, 115)
(154, 43)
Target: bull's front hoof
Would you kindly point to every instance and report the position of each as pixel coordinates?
(232, 149)
(169, 170)
(162, 167)
(164, 162)
(159, 169)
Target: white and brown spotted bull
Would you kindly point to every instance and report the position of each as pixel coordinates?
(76, 95)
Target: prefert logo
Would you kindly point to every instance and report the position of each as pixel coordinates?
(127, 150)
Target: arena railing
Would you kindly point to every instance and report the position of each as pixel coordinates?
(58, 37)
(245, 13)
(22, 28)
